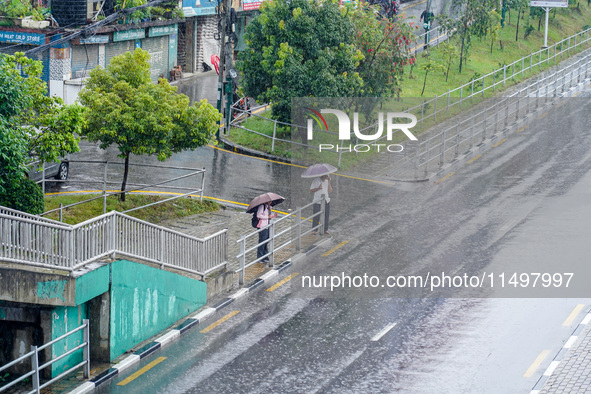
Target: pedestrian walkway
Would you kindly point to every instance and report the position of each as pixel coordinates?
(239, 225)
(570, 371)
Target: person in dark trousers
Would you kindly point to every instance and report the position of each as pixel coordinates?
(264, 215)
(426, 17)
(321, 187)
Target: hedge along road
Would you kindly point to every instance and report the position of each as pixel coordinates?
(521, 206)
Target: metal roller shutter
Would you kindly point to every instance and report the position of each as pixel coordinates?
(157, 47)
(84, 59)
(118, 48)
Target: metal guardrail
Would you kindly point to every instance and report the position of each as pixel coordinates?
(285, 231)
(33, 355)
(104, 182)
(429, 109)
(447, 144)
(35, 241)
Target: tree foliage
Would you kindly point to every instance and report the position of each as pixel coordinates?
(31, 122)
(473, 21)
(139, 117)
(385, 44)
(299, 48)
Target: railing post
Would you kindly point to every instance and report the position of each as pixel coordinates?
(428, 149)
(162, 242)
(105, 188)
(61, 212)
(35, 367)
(417, 159)
(448, 95)
(242, 259)
(504, 74)
(461, 91)
(442, 153)
(202, 183)
(435, 110)
(484, 124)
(483, 86)
(322, 216)
(274, 133)
(298, 234)
(422, 113)
(72, 256)
(43, 174)
(271, 244)
(494, 80)
(86, 349)
(506, 120)
(457, 138)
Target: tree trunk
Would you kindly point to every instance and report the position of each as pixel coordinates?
(125, 172)
(501, 44)
(517, 29)
(462, 53)
(492, 41)
(539, 23)
(425, 82)
(449, 65)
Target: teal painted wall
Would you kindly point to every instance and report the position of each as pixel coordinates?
(146, 300)
(92, 284)
(64, 319)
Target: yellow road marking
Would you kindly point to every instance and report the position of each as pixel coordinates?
(521, 129)
(536, 364)
(217, 323)
(295, 165)
(335, 248)
(136, 374)
(576, 94)
(573, 315)
(472, 160)
(445, 177)
(499, 143)
(542, 115)
(410, 6)
(283, 281)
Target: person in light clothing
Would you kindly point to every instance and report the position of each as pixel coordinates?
(321, 187)
(264, 214)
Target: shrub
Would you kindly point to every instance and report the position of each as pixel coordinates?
(24, 195)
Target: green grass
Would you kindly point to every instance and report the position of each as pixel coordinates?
(563, 23)
(155, 214)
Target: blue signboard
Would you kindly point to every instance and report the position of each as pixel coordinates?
(199, 7)
(18, 37)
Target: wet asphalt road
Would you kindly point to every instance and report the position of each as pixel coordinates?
(523, 207)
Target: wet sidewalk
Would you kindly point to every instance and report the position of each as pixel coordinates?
(239, 225)
(570, 370)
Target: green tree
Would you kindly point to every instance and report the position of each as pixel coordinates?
(31, 124)
(299, 48)
(472, 21)
(385, 44)
(448, 52)
(140, 117)
(494, 29)
(520, 6)
(430, 66)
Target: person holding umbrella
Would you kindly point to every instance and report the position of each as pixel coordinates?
(264, 214)
(262, 206)
(321, 187)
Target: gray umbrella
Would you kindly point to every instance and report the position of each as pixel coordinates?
(273, 198)
(316, 170)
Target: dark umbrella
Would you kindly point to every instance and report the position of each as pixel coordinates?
(316, 170)
(264, 198)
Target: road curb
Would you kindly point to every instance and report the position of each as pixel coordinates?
(192, 322)
(560, 355)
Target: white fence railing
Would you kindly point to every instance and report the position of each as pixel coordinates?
(41, 242)
(33, 355)
(453, 99)
(283, 232)
(445, 145)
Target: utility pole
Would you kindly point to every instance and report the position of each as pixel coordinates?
(226, 15)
